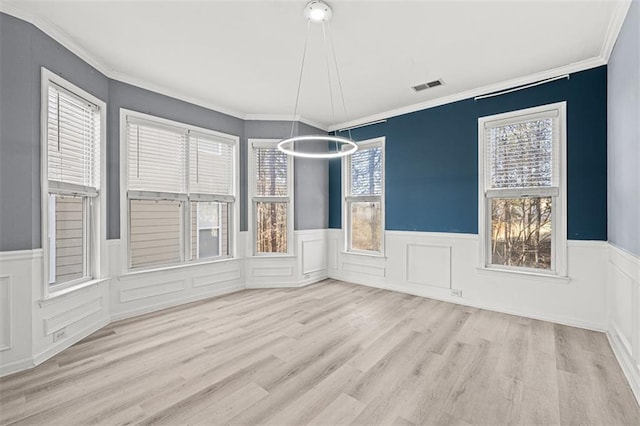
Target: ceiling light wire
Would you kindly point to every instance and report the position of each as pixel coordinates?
(335, 62)
(304, 54)
(348, 146)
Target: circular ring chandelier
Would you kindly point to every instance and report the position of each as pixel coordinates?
(287, 146)
(319, 12)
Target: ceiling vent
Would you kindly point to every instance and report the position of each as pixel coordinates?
(429, 85)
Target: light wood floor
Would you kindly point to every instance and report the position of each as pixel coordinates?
(330, 353)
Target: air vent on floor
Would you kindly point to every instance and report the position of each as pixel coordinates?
(425, 86)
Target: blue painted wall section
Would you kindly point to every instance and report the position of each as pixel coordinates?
(432, 159)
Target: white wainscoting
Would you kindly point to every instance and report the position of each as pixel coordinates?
(16, 274)
(142, 292)
(306, 265)
(77, 313)
(5, 313)
(601, 293)
(433, 264)
(623, 291)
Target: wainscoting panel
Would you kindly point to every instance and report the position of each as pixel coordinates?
(307, 264)
(17, 271)
(313, 256)
(272, 271)
(429, 265)
(623, 285)
(152, 290)
(72, 315)
(5, 313)
(221, 277)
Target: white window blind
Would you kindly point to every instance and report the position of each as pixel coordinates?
(270, 172)
(73, 134)
(157, 157)
(210, 164)
(522, 154)
(366, 172)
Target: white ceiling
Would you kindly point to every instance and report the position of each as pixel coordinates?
(244, 56)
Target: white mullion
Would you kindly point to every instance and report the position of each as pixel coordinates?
(531, 192)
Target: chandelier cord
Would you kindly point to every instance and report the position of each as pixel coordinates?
(326, 48)
(304, 54)
(335, 62)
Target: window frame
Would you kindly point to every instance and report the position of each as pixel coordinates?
(348, 199)
(94, 208)
(254, 199)
(185, 237)
(559, 197)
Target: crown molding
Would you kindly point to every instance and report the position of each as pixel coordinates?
(57, 34)
(124, 78)
(614, 28)
(99, 64)
(508, 84)
(286, 117)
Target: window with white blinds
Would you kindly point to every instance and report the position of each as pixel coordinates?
(179, 181)
(521, 154)
(73, 135)
(364, 199)
(157, 157)
(522, 210)
(210, 164)
(366, 172)
(71, 214)
(271, 187)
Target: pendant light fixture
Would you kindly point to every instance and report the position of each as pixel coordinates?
(318, 12)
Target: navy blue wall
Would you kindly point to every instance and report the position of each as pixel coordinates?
(432, 159)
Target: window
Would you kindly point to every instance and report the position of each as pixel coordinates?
(522, 213)
(364, 198)
(272, 206)
(72, 122)
(180, 192)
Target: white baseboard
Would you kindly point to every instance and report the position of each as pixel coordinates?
(296, 284)
(442, 295)
(16, 366)
(626, 362)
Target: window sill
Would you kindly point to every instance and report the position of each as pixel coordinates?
(138, 272)
(272, 256)
(526, 275)
(52, 297)
(363, 254)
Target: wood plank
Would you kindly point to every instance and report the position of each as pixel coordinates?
(330, 353)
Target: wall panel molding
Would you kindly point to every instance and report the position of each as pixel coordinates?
(217, 278)
(313, 255)
(6, 317)
(72, 315)
(428, 264)
(130, 294)
(623, 296)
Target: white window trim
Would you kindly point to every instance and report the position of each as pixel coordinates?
(234, 214)
(346, 182)
(559, 213)
(269, 143)
(97, 242)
